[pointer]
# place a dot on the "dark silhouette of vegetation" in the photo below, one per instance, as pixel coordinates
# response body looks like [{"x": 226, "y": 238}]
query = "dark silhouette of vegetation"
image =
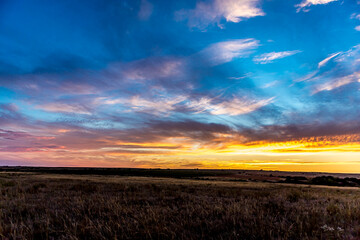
[
  {"x": 333, "y": 181},
  {"x": 295, "y": 179},
  {"x": 173, "y": 173}
]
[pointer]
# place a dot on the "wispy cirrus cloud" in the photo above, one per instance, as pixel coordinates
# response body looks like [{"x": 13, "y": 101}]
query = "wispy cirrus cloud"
[
  {"x": 147, "y": 69},
  {"x": 337, "y": 82},
  {"x": 303, "y": 6},
  {"x": 233, "y": 107},
  {"x": 185, "y": 103},
  {"x": 313, "y": 75},
  {"x": 226, "y": 51},
  {"x": 270, "y": 57},
  {"x": 326, "y": 60},
  {"x": 206, "y": 13},
  {"x": 345, "y": 70},
  {"x": 342, "y": 68},
  {"x": 155, "y": 106},
  {"x": 357, "y": 17},
  {"x": 59, "y": 107}
]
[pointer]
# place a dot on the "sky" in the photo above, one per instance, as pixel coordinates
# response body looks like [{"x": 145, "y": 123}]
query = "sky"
[{"x": 240, "y": 84}]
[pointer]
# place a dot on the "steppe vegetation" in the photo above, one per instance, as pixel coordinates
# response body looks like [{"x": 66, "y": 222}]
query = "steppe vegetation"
[{"x": 63, "y": 206}]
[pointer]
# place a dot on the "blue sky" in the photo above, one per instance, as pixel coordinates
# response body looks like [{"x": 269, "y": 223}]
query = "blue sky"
[{"x": 131, "y": 83}]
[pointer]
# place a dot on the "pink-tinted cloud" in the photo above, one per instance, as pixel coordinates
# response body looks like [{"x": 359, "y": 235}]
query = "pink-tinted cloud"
[
  {"x": 337, "y": 82},
  {"x": 223, "y": 52},
  {"x": 64, "y": 108},
  {"x": 206, "y": 13}
]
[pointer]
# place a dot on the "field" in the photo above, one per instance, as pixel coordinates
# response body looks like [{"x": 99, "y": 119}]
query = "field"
[{"x": 48, "y": 205}]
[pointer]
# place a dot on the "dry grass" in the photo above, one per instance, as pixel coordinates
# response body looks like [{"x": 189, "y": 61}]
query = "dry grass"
[{"x": 44, "y": 206}]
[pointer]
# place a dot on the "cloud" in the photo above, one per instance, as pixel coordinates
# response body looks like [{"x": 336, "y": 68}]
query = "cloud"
[
  {"x": 355, "y": 16},
  {"x": 188, "y": 129},
  {"x": 9, "y": 114},
  {"x": 8, "y": 108},
  {"x": 342, "y": 68},
  {"x": 308, "y": 76},
  {"x": 146, "y": 9},
  {"x": 232, "y": 107},
  {"x": 270, "y": 57},
  {"x": 153, "y": 134},
  {"x": 189, "y": 126},
  {"x": 152, "y": 71},
  {"x": 326, "y": 60},
  {"x": 165, "y": 105},
  {"x": 161, "y": 71},
  {"x": 312, "y": 132},
  {"x": 12, "y": 135},
  {"x": 337, "y": 82},
  {"x": 148, "y": 69},
  {"x": 223, "y": 52},
  {"x": 64, "y": 108},
  {"x": 345, "y": 70},
  {"x": 205, "y": 13},
  {"x": 307, "y": 3},
  {"x": 156, "y": 106},
  {"x": 270, "y": 84},
  {"x": 350, "y": 57}
]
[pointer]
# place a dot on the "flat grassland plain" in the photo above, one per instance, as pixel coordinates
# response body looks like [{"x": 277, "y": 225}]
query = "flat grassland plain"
[{"x": 45, "y": 203}]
